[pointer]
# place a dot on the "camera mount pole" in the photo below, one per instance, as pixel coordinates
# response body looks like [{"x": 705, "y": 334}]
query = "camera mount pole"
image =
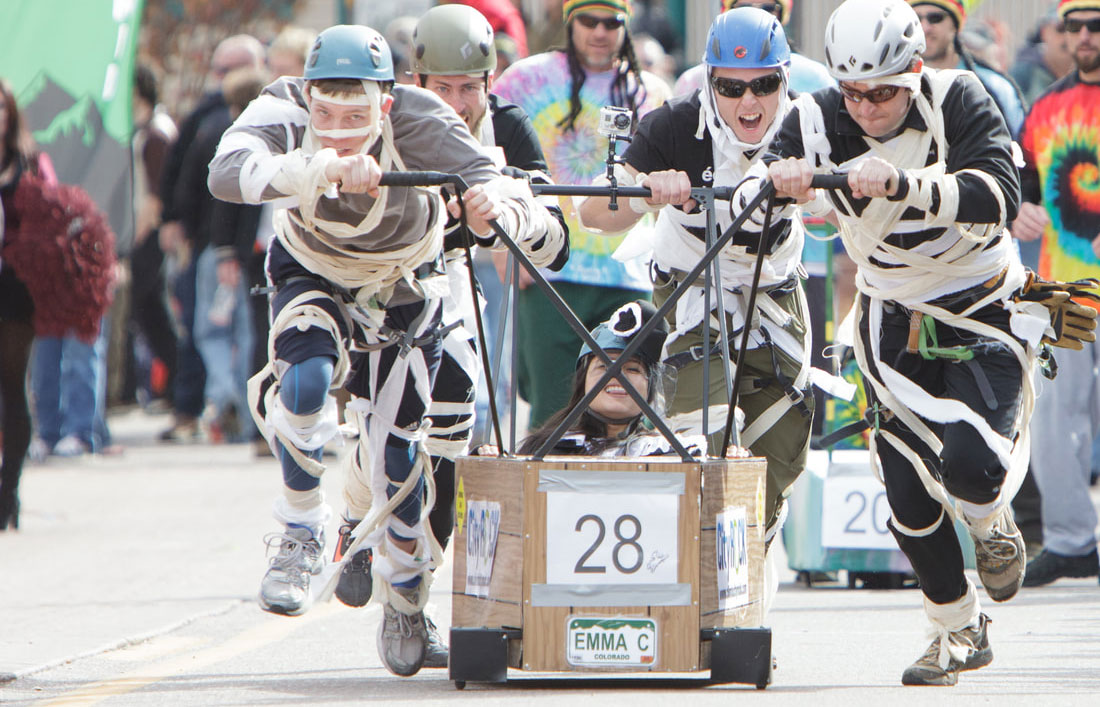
[{"x": 612, "y": 160}]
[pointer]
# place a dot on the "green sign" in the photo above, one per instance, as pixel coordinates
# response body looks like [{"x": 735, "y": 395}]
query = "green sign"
[{"x": 71, "y": 66}]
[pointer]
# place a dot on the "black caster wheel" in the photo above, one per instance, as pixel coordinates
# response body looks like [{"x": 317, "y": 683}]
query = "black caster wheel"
[{"x": 460, "y": 684}]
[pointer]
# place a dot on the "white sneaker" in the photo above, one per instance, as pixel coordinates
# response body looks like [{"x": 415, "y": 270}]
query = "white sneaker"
[
  {"x": 285, "y": 587},
  {"x": 403, "y": 638},
  {"x": 70, "y": 446}
]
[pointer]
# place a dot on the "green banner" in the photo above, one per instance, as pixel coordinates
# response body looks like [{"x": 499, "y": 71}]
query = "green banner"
[{"x": 71, "y": 65}]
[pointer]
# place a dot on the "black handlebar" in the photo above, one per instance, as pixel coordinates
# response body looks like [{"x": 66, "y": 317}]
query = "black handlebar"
[
  {"x": 416, "y": 179},
  {"x": 430, "y": 178},
  {"x": 830, "y": 181}
]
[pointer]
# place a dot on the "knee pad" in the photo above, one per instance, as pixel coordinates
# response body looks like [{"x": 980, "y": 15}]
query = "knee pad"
[{"x": 304, "y": 386}]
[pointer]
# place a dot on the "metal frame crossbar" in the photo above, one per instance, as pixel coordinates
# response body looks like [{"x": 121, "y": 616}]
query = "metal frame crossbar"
[{"x": 705, "y": 196}]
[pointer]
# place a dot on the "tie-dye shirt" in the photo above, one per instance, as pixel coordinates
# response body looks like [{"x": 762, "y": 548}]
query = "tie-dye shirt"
[
  {"x": 1061, "y": 141},
  {"x": 541, "y": 85}
]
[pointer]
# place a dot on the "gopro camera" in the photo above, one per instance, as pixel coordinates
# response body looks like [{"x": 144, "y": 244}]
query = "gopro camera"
[{"x": 615, "y": 121}]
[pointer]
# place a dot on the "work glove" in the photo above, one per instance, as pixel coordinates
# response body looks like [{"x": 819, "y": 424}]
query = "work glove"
[{"x": 1072, "y": 323}]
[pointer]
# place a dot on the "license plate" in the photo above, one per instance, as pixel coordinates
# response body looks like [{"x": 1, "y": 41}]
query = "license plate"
[{"x": 622, "y": 642}]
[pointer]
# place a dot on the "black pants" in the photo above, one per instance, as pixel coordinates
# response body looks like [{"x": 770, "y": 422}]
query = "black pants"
[{"x": 966, "y": 466}]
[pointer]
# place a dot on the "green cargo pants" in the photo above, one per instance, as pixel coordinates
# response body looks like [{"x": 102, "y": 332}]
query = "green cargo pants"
[{"x": 785, "y": 445}]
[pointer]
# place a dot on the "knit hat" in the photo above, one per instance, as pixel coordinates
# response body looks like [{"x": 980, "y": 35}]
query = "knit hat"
[
  {"x": 1067, "y": 6},
  {"x": 784, "y": 5},
  {"x": 572, "y": 7},
  {"x": 955, "y": 8}
]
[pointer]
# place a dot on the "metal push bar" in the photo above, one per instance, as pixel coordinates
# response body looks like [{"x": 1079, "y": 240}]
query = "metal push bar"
[{"x": 704, "y": 196}]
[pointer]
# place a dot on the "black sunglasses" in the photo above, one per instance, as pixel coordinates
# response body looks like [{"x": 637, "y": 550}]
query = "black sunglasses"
[
  {"x": 1074, "y": 26},
  {"x": 609, "y": 23},
  {"x": 933, "y": 18},
  {"x": 875, "y": 95},
  {"x": 735, "y": 88}
]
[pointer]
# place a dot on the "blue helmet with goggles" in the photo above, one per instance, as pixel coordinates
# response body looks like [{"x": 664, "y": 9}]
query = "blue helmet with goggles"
[
  {"x": 747, "y": 38},
  {"x": 618, "y": 332},
  {"x": 349, "y": 52}
]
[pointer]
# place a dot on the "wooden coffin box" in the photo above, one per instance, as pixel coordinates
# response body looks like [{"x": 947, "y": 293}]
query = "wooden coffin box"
[{"x": 580, "y": 564}]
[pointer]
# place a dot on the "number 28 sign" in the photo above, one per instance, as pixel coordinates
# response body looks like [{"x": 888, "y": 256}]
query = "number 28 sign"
[{"x": 598, "y": 538}]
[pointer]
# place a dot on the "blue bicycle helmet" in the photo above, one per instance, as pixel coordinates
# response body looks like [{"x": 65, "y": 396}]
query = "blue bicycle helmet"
[
  {"x": 349, "y": 52},
  {"x": 747, "y": 38}
]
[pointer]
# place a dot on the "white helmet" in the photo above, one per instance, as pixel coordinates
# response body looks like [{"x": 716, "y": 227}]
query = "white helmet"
[{"x": 866, "y": 39}]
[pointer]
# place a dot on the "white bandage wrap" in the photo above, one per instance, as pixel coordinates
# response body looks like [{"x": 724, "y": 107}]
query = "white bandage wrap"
[
  {"x": 526, "y": 220},
  {"x": 302, "y": 508},
  {"x": 950, "y": 618},
  {"x": 297, "y": 432},
  {"x": 368, "y": 483}
]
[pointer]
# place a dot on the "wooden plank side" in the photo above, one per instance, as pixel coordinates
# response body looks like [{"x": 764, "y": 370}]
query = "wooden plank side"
[
  {"x": 680, "y": 624},
  {"x": 731, "y": 483},
  {"x": 678, "y": 627},
  {"x": 499, "y": 480}
]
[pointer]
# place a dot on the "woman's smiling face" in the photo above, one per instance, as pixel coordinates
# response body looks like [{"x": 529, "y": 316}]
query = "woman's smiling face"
[{"x": 613, "y": 402}]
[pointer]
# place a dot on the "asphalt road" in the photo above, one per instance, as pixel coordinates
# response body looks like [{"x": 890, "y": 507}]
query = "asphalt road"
[{"x": 132, "y": 582}]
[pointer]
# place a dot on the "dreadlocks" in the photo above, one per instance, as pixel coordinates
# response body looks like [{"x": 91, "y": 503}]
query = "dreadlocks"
[{"x": 624, "y": 92}]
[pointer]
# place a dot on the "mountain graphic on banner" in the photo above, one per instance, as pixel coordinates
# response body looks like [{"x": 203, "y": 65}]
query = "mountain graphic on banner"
[{"x": 70, "y": 129}]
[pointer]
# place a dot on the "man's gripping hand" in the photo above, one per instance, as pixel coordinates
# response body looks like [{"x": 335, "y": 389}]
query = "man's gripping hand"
[
  {"x": 355, "y": 174},
  {"x": 482, "y": 206},
  {"x": 669, "y": 187},
  {"x": 792, "y": 178},
  {"x": 873, "y": 177}
]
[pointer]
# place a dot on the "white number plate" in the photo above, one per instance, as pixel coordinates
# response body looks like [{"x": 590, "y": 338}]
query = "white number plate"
[
  {"x": 602, "y": 642},
  {"x": 598, "y": 538},
  {"x": 854, "y": 514}
]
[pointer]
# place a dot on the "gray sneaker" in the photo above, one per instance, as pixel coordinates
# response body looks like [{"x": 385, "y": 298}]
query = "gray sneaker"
[
  {"x": 1001, "y": 558},
  {"x": 285, "y": 587},
  {"x": 436, "y": 654},
  {"x": 402, "y": 639},
  {"x": 927, "y": 670}
]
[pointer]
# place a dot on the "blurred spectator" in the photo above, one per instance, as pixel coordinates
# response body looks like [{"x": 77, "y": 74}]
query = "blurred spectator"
[
  {"x": 287, "y": 54},
  {"x": 19, "y": 155},
  {"x": 222, "y": 328},
  {"x": 654, "y": 59},
  {"x": 982, "y": 40},
  {"x": 807, "y": 75},
  {"x": 505, "y": 18},
  {"x": 942, "y": 21},
  {"x": 598, "y": 67},
  {"x": 150, "y": 320},
  {"x": 507, "y": 53},
  {"x": 399, "y": 34},
  {"x": 1043, "y": 59},
  {"x": 225, "y": 331},
  {"x": 651, "y": 19},
  {"x": 185, "y": 242},
  {"x": 1061, "y": 141}
]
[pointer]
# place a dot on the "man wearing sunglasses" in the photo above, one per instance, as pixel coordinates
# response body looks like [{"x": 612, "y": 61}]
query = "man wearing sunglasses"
[
  {"x": 713, "y": 137},
  {"x": 1061, "y": 148},
  {"x": 946, "y": 351},
  {"x": 942, "y": 20},
  {"x": 562, "y": 91}
]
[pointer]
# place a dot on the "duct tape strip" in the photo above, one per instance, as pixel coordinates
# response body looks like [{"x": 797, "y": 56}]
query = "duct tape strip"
[{"x": 617, "y": 481}]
